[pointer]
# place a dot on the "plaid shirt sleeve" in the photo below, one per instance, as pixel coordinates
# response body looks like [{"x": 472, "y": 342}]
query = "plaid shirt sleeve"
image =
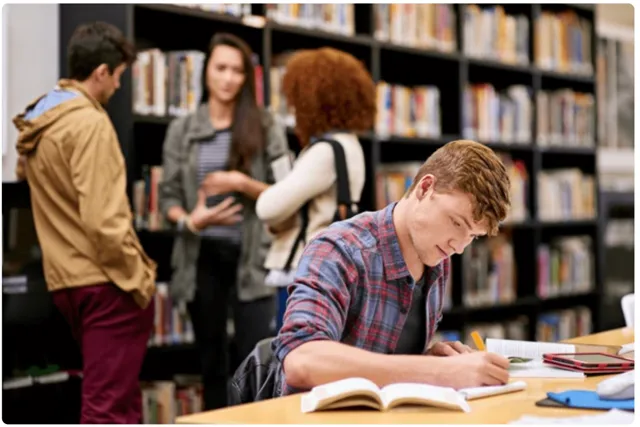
[{"x": 319, "y": 297}]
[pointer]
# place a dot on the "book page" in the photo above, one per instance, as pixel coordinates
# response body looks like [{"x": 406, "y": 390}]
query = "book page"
[
  {"x": 528, "y": 349},
  {"x": 326, "y": 395},
  {"x": 422, "y": 394}
]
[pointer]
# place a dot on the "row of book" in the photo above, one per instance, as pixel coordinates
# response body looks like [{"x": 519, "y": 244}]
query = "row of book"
[
  {"x": 233, "y": 9},
  {"x": 563, "y": 42},
  {"x": 332, "y": 17},
  {"x": 615, "y": 92},
  {"x": 489, "y": 274},
  {"x": 427, "y": 26},
  {"x": 566, "y": 194},
  {"x": 170, "y": 83},
  {"x": 552, "y": 326},
  {"x": 497, "y": 116},
  {"x": 565, "y": 117},
  {"x": 172, "y": 324},
  {"x": 490, "y": 33},
  {"x": 408, "y": 111},
  {"x": 164, "y": 401},
  {"x": 565, "y": 267},
  {"x": 146, "y": 206},
  {"x": 564, "y": 324},
  {"x": 394, "y": 179}
]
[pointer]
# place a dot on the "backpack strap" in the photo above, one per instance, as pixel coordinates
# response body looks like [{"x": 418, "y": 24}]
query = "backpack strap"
[
  {"x": 301, "y": 237},
  {"x": 345, "y": 205}
]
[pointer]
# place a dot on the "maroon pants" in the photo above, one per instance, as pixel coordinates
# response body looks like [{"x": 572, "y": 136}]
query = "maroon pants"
[{"x": 113, "y": 332}]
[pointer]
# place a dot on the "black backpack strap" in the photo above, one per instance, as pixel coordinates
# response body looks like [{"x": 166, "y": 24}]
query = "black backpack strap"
[
  {"x": 301, "y": 237},
  {"x": 345, "y": 204}
]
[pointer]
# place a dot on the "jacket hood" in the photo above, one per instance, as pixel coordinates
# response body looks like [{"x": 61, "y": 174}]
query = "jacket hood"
[{"x": 44, "y": 111}]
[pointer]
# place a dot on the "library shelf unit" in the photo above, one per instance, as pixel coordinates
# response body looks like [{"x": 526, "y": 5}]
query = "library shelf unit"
[{"x": 174, "y": 27}]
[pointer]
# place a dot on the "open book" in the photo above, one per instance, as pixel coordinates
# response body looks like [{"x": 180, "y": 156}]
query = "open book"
[
  {"x": 531, "y": 352},
  {"x": 358, "y": 392}
]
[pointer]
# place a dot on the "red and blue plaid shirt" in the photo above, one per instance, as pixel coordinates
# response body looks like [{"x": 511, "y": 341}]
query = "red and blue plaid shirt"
[{"x": 352, "y": 285}]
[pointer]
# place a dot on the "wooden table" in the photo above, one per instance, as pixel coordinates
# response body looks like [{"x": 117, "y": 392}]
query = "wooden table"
[{"x": 494, "y": 410}]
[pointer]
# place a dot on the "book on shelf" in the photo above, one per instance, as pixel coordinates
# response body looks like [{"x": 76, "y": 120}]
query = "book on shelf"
[
  {"x": 565, "y": 266},
  {"x": 565, "y": 118},
  {"x": 489, "y": 272},
  {"x": 560, "y": 325},
  {"x": 170, "y": 83},
  {"x": 233, "y": 9},
  {"x": 163, "y": 401},
  {"x": 562, "y": 42},
  {"x": 408, "y": 111},
  {"x": 566, "y": 194},
  {"x": 146, "y": 210},
  {"x": 360, "y": 392},
  {"x": 494, "y": 115},
  {"x": 171, "y": 324},
  {"x": 332, "y": 17},
  {"x": 490, "y": 32},
  {"x": 427, "y": 26},
  {"x": 615, "y": 89}
]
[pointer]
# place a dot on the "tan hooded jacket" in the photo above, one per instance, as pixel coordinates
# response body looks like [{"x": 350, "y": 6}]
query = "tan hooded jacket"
[{"x": 77, "y": 179}]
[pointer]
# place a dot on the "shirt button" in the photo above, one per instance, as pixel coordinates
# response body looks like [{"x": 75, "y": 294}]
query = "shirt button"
[{"x": 403, "y": 310}]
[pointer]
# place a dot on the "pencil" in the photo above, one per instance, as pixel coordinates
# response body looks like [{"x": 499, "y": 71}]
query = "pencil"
[{"x": 477, "y": 340}]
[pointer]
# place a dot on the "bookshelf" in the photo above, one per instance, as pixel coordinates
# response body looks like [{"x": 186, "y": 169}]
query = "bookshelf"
[
  {"x": 459, "y": 91},
  {"x": 511, "y": 78}
]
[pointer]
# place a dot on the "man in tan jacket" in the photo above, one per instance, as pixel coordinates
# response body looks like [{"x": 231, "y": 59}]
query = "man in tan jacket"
[{"x": 100, "y": 278}]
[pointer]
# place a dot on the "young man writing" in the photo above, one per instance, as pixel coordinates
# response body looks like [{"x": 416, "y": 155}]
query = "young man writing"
[
  {"x": 99, "y": 276},
  {"x": 369, "y": 291}
]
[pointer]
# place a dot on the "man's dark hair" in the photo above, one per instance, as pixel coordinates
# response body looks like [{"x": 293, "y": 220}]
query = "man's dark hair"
[{"x": 94, "y": 44}]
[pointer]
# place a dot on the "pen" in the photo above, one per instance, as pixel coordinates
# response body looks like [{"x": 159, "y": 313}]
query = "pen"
[{"x": 477, "y": 340}]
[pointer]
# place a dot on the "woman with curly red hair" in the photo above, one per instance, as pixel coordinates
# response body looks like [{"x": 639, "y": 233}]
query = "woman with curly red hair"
[{"x": 333, "y": 97}]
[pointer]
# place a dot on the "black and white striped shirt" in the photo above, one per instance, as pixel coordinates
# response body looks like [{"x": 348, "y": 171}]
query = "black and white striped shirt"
[{"x": 213, "y": 156}]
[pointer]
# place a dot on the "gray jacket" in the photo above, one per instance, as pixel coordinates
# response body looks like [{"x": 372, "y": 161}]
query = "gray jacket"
[{"x": 179, "y": 187}]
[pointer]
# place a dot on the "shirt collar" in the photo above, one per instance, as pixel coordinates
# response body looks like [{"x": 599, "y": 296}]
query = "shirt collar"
[{"x": 394, "y": 265}]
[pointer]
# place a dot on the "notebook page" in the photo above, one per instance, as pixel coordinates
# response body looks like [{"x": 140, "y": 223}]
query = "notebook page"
[
  {"x": 537, "y": 369},
  {"x": 529, "y": 349}
]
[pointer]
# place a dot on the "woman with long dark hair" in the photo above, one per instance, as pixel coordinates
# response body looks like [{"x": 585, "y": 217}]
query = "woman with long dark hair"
[{"x": 226, "y": 146}]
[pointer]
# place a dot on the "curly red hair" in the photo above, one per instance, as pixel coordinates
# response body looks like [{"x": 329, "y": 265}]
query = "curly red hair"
[{"x": 329, "y": 90}]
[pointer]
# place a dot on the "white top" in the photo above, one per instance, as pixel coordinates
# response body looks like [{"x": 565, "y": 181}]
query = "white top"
[{"x": 313, "y": 177}]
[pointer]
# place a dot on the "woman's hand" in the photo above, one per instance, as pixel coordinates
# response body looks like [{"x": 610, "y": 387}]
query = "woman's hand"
[
  {"x": 224, "y": 213},
  {"x": 222, "y": 182}
]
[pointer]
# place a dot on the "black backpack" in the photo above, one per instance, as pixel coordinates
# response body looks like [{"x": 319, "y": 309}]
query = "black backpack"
[{"x": 344, "y": 208}]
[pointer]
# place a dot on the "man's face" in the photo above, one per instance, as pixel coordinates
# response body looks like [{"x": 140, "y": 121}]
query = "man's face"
[
  {"x": 108, "y": 82},
  {"x": 440, "y": 224}
]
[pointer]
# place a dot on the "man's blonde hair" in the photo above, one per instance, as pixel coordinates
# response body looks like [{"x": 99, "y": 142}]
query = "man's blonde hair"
[{"x": 474, "y": 169}]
